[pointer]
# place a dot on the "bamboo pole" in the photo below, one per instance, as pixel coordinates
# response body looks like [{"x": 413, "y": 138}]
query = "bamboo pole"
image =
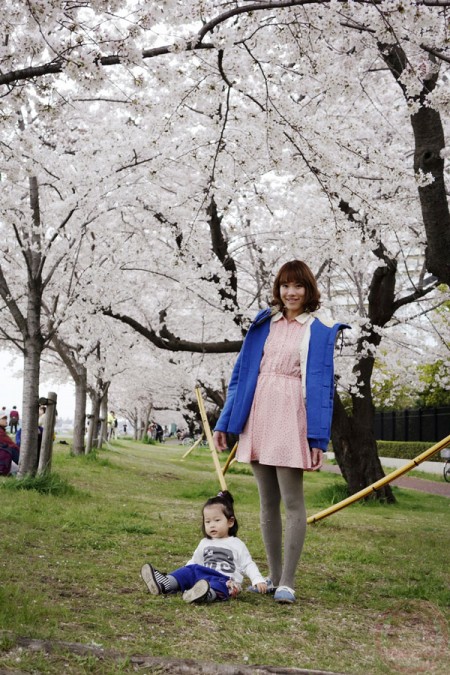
[
  {"x": 209, "y": 438},
  {"x": 197, "y": 442},
  {"x": 379, "y": 483},
  {"x": 230, "y": 459}
]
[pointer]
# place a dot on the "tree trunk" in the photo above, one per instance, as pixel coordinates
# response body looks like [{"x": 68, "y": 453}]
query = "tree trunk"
[
  {"x": 429, "y": 142},
  {"x": 355, "y": 447},
  {"x": 93, "y": 423},
  {"x": 103, "y": 431},
  {"x": 79, "y": 426},
  {"x": 146, "y": 423},
  {"x": 30, "y": 408},
  {"x": 78, "y": 372}
]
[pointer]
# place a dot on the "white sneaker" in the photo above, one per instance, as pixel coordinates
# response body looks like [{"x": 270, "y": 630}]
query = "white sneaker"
[
  {"x": 198, "y": 593},
  {"x": 284, "y": 595}
]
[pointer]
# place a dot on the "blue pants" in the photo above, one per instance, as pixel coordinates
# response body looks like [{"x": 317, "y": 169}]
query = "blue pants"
[{"x": 189, "y": 575}]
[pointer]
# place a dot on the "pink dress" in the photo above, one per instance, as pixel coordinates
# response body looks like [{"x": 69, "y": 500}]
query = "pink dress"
[{"x": 275, "y": 432}]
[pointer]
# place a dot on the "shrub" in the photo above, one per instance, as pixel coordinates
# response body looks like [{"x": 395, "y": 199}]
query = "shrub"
[
  {"x": 405, "y": 449},
  {"x": 149, "y": 441}
]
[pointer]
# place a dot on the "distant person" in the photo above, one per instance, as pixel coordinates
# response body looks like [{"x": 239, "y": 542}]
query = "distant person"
[
  {"x": 220, "y": 561},
  {"x": 9, "y": 451},
  {"x": 124, "y": 428},
  {"x": 159, "y": 432},
  {"x": 112, "y": 424},
  {"x": 13, "y": 419},
  {"x": 42, "y": 411},
  {"x": 41, "y": 420}
]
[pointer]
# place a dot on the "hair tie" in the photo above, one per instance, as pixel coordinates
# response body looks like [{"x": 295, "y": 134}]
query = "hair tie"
[{"x": 220, "y": 494}]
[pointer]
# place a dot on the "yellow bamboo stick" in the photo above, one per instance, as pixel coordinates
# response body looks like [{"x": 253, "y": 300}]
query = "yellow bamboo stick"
[
  {"x": 230, "y": 459},
  {"x": 209, "y": 438},
  {"x": 197, "y": 442},
  {"x": 380, "y": 483}
]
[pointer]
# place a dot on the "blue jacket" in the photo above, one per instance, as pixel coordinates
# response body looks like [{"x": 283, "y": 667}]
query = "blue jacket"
[{"x": 319, "y": 380}]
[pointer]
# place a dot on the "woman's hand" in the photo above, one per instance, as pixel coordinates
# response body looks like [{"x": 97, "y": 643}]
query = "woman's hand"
[
  {"x": 316, "y": 458},
  {"x": 261, "y": 586},
  {"x": 220, "y": 440}
]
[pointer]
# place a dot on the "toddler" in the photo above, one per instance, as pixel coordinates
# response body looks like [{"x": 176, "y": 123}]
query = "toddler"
[{"x": 218, "y": 565}]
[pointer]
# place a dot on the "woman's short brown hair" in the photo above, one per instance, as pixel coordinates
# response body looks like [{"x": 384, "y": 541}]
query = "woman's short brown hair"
[{"x": 298, "y": 272}]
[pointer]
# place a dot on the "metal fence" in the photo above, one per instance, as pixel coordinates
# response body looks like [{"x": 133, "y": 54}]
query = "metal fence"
[{"x": 423, "y": 424}]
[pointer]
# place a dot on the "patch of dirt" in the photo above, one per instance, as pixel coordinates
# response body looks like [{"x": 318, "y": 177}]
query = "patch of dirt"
[{"x": 158, "y": 664}]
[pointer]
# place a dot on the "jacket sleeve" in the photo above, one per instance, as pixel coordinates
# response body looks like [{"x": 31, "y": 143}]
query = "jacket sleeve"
[
  {"x": 320, "y": 383},
  {"x": 222, "y": 422}
]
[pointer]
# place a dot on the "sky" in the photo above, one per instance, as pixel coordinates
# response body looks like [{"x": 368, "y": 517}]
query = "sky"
[{"x": 11, "y": 385}]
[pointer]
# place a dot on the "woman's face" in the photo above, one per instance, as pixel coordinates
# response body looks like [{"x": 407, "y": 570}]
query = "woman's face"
[{"x": 292, "y": 295}]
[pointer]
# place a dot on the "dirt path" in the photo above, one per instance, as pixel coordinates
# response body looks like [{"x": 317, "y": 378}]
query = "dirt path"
[{"x": 409, "y": 482}]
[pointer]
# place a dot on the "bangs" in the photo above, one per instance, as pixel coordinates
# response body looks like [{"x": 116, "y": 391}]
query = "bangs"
[{"x": 291, "y": 274}]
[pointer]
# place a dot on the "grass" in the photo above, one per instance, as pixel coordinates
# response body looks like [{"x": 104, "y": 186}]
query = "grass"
[{"x": 372, "y": 585}]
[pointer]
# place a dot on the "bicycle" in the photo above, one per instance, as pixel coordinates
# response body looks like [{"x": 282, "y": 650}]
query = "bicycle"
[{"x": 445, "y": 454}]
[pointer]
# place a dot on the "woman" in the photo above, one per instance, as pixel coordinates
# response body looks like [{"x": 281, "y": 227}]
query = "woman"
[{"x": 280, "y": 401}]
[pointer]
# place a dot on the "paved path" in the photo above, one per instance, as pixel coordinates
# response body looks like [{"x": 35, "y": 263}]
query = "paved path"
[{"x": 409, "y": 482}]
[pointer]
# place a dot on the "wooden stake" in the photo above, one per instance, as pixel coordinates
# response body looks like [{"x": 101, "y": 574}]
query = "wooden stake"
[
  {"x": 209, "y": 438},
  {"x": 230, "y": 459},
  {"x": 379, "y": 483},
  {"x": 197, "y": 442}
]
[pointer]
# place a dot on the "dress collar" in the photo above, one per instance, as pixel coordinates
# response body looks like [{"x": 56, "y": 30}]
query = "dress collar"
[{"x": 301, "y": 318}]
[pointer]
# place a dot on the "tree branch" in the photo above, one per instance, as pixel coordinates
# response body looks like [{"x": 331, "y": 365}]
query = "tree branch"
[{"x": 168, "y": 341}]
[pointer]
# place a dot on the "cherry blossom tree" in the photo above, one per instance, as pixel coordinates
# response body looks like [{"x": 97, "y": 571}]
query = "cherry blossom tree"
[{"x": 245, "y": 133}]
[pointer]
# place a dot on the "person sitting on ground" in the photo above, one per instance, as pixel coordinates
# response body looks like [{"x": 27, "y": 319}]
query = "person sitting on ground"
[
  {"x": 9, "y": 452},
  {"x": 218, "y": 565}
]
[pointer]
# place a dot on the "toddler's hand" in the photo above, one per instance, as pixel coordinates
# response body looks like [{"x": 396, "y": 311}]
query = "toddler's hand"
[{"x": 233, "y": 588}]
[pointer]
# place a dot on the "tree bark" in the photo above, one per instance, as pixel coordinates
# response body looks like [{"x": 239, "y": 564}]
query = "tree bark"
[
  {"x": 429, "y": 141},
  {"x": 30, "y": 407},
  {"x": 78, "y": 372},
  {"x": 33, "y": 341},
  {"x": 103, "y": 431},
  {"x": 93, "y": 422},
  {"x": 79, "y": 426},
  {"x": 355, "y": 448}
]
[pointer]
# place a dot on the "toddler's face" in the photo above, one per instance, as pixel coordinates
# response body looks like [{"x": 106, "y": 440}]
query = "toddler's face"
[{"x": 217, "y": 524}]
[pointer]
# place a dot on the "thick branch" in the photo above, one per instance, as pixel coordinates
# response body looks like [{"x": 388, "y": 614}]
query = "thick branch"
[
  {"x": 429, "y": 143},
  {"x": 166, "y": 340},
  {"x": 12, "y": 305}
]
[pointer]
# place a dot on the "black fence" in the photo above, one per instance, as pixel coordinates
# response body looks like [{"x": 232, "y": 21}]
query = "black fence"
[{"x": 424, "y": 424}]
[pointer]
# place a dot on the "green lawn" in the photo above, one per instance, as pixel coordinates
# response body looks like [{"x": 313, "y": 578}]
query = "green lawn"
[{"x": 372, "y": 587}]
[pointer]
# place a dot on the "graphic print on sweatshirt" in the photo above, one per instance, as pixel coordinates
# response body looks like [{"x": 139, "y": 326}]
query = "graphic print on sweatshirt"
[{"x": 220, "y": 559}]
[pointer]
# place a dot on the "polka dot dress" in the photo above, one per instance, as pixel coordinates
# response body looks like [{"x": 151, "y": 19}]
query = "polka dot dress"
[{"x": 275, "y": 432}]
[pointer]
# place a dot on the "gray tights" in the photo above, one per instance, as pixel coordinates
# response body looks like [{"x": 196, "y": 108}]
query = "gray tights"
[{"x": 276, "y": 484}]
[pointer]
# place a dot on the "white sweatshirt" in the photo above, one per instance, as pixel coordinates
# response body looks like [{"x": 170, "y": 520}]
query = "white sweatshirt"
[{"x": 230, "y": 556}]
